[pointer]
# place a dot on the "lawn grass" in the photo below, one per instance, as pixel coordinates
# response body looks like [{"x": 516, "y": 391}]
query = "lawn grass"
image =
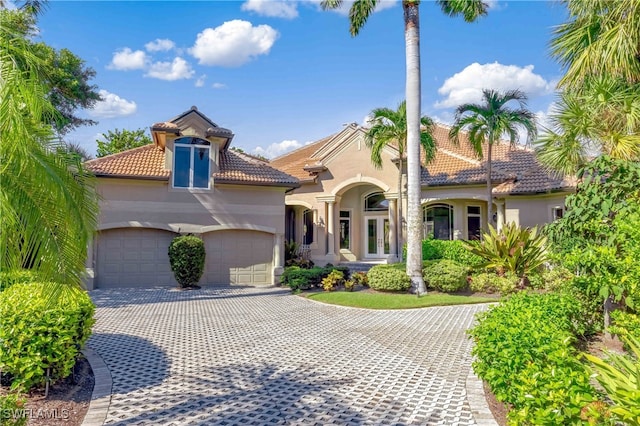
[{"x": 368, "y": 300}]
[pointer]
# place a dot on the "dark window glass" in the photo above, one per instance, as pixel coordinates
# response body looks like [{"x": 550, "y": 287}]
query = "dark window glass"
[
  {"x": 182, "y": 163},
  {"x": 474, "y": 227},
  {"x": 307, "y": 227},
  {"x": 192, "y": 141},
  {"x": 473, "y": 209},
  {"x": 200, "y": 167},
  {"x": 345, "y": 229},
  {"x": 376, "y": 203},
  {"x": 438, "y": 222}
]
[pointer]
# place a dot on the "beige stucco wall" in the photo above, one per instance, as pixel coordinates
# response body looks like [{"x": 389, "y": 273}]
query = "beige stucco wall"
[
  {"x": 129, "y": 202},
  {"x": 532, "y": 210}
]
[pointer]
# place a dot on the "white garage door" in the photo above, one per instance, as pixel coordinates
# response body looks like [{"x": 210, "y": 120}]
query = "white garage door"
[
  {"x": 238, "y": 257},
  {"x": 133, "y": 258}
]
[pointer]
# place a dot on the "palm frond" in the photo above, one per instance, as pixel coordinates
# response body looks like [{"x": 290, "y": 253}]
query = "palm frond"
[{"x": 469, "y": 9}]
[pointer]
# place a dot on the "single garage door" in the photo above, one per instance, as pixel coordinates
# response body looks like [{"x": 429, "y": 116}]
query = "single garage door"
[
  {"x": 238, "y": 257},
  {"x": 136, "y": 257}
]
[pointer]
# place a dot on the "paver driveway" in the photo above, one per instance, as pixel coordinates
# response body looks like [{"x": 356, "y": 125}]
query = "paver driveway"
[{"x": 263, "y": 356}]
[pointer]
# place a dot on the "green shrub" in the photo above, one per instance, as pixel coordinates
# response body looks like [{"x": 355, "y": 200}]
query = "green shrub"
[
  {"x": 297, "y": 278},
  {"x": 446, "y": 275},
  {"x": 9, "y": 278},
  {"x": 186, "y": 255},
  {"x": 625, "y": 324},
  {"x": 388, "y": 278},
  {"x": 448, "y": 249},
  {"x": 556, "y": 277},
  {"x": 490, "y": 282},
  {"x": 12, "y": 410},
  {"x": 39, "y": 333},
  {"x": 523, "y": 349},
  {"x": 349, "y": 285},
  {"x": 333, "y": 280},
  {"x": 360, "y": 278}
]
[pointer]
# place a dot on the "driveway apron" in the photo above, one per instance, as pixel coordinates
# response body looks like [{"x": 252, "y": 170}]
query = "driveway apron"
[{"x": 247, "y": 356}]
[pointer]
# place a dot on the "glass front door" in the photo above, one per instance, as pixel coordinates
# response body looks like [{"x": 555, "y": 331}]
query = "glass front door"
[{"x": 377, "y": 237}]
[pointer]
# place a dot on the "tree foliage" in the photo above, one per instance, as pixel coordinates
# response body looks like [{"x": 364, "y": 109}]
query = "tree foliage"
[
  {"x": 121, "y": 140},
  {"x": 47, "y": 202},
  {"x": 487, "y": 122},
  {"x": 66, "y": 79}
]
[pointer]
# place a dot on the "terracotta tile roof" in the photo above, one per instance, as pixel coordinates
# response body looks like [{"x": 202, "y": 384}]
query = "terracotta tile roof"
[
  {"x": 145, "y": 162},
  {"x": 294, "y": 162},
  {"x": 236, "y": 167},
  {"x": 514, "y": 169}
]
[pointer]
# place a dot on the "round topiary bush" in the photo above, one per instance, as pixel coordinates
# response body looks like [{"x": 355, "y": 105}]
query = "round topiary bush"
[
  {"x": 186, "y": 255},
  {"x": 388, "y": 278},
  {"x": 490, "y": 282},
  {"x": 446, "y": 275}
]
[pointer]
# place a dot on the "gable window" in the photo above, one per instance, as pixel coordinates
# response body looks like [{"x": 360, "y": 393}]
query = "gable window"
[
  {"x": 191, "y": 165},
  {"x": 438, "y": 222}
]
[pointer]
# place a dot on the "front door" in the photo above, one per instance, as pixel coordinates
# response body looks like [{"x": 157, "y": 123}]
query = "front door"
[{"x": 377, "y": 237}]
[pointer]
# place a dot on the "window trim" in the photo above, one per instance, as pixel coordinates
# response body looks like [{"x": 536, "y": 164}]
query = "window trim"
[
  {"x": 425, "y": 223},
  {"x": 192, "y": 146},
  {"x": 340, "y": 219},
  {"x": 478, "y": 215},
  {"x": 554, "y": 209}
]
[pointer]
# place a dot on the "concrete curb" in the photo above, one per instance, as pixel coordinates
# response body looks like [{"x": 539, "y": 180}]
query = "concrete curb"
[
  {"x": 101, "y": 396},
  {"x": 477, "y": 401}
]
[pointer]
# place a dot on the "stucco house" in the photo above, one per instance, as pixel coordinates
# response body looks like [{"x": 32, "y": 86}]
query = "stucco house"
[
  {"x": 187, "y": 181},
  {"x": 347, "y": 210},
  {"x": 327, "y": 196}
]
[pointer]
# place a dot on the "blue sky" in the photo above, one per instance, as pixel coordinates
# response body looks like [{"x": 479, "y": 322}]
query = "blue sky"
[{"x": 282, "y": 74}]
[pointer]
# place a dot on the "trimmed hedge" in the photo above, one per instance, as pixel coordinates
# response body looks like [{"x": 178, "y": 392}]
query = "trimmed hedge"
[
  {"x": 446, "y": 276},
  {"x": 524, "y": 350},
  {"x": 9, "y": 278},
  {"x": 490, "y": 282},
  {"x": 42, "y": 326},
  {"x": 298, "y": 278},
  {"x": 388, "y": 278},
  {"x": 447, "y": 249},
  {"x": 187, "y": 255}
]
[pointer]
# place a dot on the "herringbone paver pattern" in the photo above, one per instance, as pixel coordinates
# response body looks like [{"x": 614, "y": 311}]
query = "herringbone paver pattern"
[{"x": 263, "y": 356}]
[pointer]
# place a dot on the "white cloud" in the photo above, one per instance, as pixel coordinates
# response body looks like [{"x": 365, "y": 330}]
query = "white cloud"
[
  {"x": 346, "y": 5},
  {"x": 160, "y": 45},
  {"x": 112, "y": 106},
  {"x": 126, "y": 60},
  {"x": 219, "y": 86},
  {"x": 466, "y": 86},
  {"x": 272, "y": 8},
  {"x": 177, "y": 70},
  {"x": 200, "y": 81},
  {"x": 277, "y": 149},
  {"x": 233, "y": 43}
]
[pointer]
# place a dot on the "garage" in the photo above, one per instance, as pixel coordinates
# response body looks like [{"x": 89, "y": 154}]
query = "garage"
[
  {"x": 137, "y": 257},
  {"x": 238, "y": 257}
]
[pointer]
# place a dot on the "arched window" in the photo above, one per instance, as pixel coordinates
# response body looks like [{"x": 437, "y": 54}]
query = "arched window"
[
  {"x": 191, "y": 163},
  {"x": 438, "y": 221},
  {"x": 376, "y": 203}
]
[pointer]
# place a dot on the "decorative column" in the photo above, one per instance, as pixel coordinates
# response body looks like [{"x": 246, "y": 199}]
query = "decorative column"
[
  {"x": 500, "y": 214},
  {"x": 331, "y": 243},
  {"x": 278, "y": 249},
  {"x": 393, "y": 229}
]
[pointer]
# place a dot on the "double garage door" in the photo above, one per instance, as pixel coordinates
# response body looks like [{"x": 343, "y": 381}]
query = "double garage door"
[{"x": 138, "y": 258}]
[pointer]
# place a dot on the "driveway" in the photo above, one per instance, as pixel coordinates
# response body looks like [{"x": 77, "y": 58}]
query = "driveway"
[{"x": 251, "y": 356}]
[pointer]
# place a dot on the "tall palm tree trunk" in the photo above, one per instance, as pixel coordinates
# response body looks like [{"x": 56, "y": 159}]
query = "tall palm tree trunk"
[
  {"x": 399, "y": 211},
  {"x": 489, "y": 192},
  {"x": 414, "y": 222}
]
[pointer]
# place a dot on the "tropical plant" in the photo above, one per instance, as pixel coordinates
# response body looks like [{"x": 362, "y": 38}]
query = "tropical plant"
[
  {"x": 47, "y": 201},
  {"x": 601, "y": 38},
  {"x": 602, "y": 118},
  {"x": 487, "y": 122},
  {"x": 619, "y": 375},
  {"x": 513, "y": 249},
  {"x": 187, "y": 256},
  {"x": 359, "y": 13},
  {"x": 121, "y": 140},
  {"x": 333, "y": 280},
  {"x": 389, "y": 128}
]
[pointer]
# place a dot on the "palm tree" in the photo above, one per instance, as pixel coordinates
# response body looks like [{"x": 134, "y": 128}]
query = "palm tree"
[
  {"x": 48, "y": 207},
  {"x": 389, "y": 127},
  {"x": 601, "y": 38},
  {"x": 603, "y": 117},
  {"x": 359, "y": 13},
  {"x": 487, "y": 122}
]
